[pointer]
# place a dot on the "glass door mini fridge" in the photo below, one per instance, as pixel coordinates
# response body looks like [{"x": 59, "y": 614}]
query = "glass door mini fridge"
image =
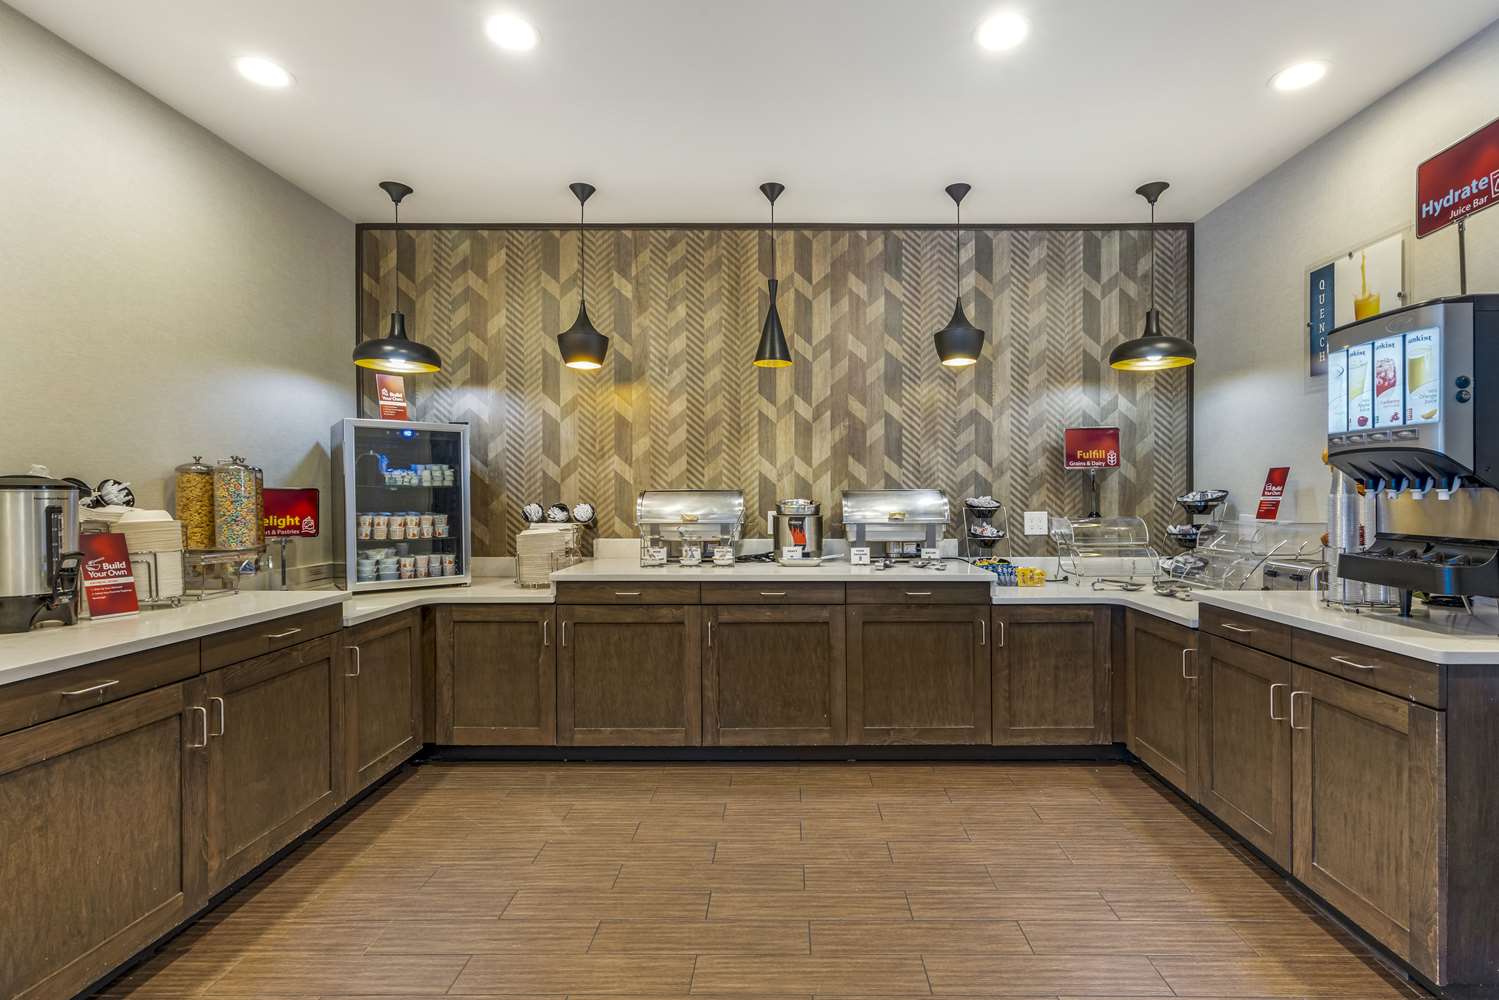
[{"x": 401, "y": 515}]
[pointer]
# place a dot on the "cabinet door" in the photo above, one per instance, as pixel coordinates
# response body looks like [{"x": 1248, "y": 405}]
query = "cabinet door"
[
  {"x": 773, "y": 675},
  {"x": 1244, "y": 743},
  {"x": 1162, "y": 668},
  {"x": 629, "y": 675},
  {"x": 496, "y": 675},
  {"x": 100, "y": 827},
  {"x": 1051, "y": 675},
  {"x": 276, "y": 753},
  {"x": 382, "y": 696},
  {"x": 1368, "y": 792},
  {"x": 918, "y": 674}
]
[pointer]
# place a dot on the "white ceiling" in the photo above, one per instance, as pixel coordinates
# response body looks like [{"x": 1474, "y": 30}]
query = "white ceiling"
[{"x": 678, "y": 109}]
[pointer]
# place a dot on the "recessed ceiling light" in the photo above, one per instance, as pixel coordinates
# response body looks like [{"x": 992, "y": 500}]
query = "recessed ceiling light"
[
  {"x": 260, "y": 70},
  {"x": 1299, "y": 76},
  {"x": 1002, "y": 31},
  {"x": 511, "y": 33}
]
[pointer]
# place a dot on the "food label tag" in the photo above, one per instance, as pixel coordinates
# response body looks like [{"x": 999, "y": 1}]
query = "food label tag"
[
  {"x": 790, "y": 553},
  {"x": 858, "y": 556},
  {"x": 929, "y": 554}
]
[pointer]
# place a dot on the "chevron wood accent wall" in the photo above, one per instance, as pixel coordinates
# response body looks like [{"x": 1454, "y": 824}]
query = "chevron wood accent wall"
[{"x": 866, "y": 404}]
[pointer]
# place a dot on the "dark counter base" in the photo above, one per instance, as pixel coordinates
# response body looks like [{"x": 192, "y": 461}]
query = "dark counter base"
[{"x": 1114, "y": 753}]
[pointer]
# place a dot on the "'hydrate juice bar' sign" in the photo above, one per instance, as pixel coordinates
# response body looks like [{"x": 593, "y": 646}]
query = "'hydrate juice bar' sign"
[{"x": 1458, "y": 181}]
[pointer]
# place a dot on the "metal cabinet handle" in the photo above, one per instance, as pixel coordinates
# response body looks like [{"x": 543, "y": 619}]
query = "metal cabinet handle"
[
  {"x": 564, "y": 632},
  {"x": 710, "y": 632},
  {"x": 1277, "y": 718},
  {"x": 1293, "y": 709},
  {"x": 1185, "y": 675},
  {"x": 772, "y": 593},
  {"x": 1357, "y": 666},
  {"x": 204, "y": 743},
  {"x": 918, "y": 593},
  {"x": 546, "y": 638},
  {"x": 983, "y": 632},
  {"x": 1001, "y": 623},
  {"x": 358, "y": 662},
  {"x": 1236, "y": 628},
  {"x": 283, "y": 635},
  {"x": 627, "y": 593},
  {"x": 223, "y": 716},
  {"x": 88, "y": 690}
]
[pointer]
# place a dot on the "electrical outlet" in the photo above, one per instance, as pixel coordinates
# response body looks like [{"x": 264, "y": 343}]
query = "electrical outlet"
[{"x": 1036, "y": 522}]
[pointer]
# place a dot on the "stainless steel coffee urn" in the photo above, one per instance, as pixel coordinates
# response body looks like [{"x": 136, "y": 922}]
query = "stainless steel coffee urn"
[
  {"x": 38, "y": 552},
  {"x": 796, "y": 527}
]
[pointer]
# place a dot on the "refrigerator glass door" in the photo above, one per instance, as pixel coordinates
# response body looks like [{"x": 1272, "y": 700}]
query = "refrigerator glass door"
[{"x": 406, "y": 492}]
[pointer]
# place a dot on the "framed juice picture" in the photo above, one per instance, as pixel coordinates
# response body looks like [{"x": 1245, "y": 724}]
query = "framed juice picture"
[{"x": 1357, "y": 284}]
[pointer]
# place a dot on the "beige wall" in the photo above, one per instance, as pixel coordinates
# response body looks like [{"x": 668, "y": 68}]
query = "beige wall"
[
  {"x": 163, "y": 294},
  {"x": 1254, "y": 405}
]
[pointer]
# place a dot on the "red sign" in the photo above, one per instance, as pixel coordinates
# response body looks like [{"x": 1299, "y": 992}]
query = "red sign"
[
  {"x": 1090, "y": 448},
  {"x": 1275, "y": 488},
  {"x": 291, "y": 513},
  {"x": 1458, "y": 181},
  {"x": 390, "y": 392},
  {"x": 108, "y": 580}
]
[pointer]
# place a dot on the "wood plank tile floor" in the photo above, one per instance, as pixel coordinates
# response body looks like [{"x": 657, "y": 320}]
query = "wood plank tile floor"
[{"x": 779, "y": 881}]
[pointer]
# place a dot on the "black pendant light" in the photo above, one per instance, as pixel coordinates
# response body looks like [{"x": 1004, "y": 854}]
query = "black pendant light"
[
  {"x": 583, "y": 348},
  {"x": 1152, "y": 351},
  {"x": 773, "y": 352},
  {"x": 393, "y": 353},
  {"x": 959, "y": 342}
]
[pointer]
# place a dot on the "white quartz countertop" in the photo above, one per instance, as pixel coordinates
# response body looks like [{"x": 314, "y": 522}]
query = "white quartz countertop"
[
  {"x": 367, "y": 607},
  {"x": 1439, "y": 636},
  {"x": 830, "y": 571},
  {"x": 1148, "y": 601},
  {"x": 45, "y": 651}
]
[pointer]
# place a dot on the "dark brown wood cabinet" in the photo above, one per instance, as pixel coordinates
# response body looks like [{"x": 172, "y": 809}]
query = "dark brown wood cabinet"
[
  {"x": 101, "y": 818},
  {"x": 773, "y": 675},
  {"x": 1368, "y": 797},
  {"x": 629, "y": 675},
  {"x": 51, "y": 696},
  {"x": 1244, "y": 743},
  {"x": 918, "y": 674},
  {"x": 382, "y": 697},
  {"x": 1051, "y": 675},
  {"x": 1161, "y": 664},
  {"x": 496, "y": 675},
  {"x": 276, "y": 753}
]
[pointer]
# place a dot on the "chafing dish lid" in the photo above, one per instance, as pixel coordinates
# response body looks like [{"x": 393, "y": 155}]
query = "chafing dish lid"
[
  {"x": 895, "y": 507},
  {"x": 689, "y": 507}
]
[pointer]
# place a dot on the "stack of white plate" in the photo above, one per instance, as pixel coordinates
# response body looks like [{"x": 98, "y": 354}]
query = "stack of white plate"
[
  {"x": 155, "y": 538},
  {"x": 539, "y": 550}
]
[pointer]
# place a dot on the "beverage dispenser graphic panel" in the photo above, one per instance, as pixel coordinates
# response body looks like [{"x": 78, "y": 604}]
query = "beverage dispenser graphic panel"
[{"x": 1405, "y": 406}]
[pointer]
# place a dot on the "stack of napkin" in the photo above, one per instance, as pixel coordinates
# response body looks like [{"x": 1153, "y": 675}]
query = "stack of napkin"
[
  {"x": 539, "y": 550},
  {"x": 155, "y": 541}
]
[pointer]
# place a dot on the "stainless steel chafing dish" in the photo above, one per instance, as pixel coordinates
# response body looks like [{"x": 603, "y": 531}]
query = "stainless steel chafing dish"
[
  {"x": 688, "y": 525},
  {"x": 896, "y": 519}
]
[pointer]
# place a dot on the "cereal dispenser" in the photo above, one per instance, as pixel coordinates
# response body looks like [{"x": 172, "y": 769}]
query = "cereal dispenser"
[
  {"x": 194, "y": 504},
  {"x": 236, "y": 505}
]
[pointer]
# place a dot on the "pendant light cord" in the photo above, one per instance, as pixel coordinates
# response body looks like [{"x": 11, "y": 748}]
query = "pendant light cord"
[
  {"x": 957, "y": 251},
  {"x": 582, "y": 259},
  {"x": 773, "y": 269},
  {"x": 1152, "y": 256}
]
